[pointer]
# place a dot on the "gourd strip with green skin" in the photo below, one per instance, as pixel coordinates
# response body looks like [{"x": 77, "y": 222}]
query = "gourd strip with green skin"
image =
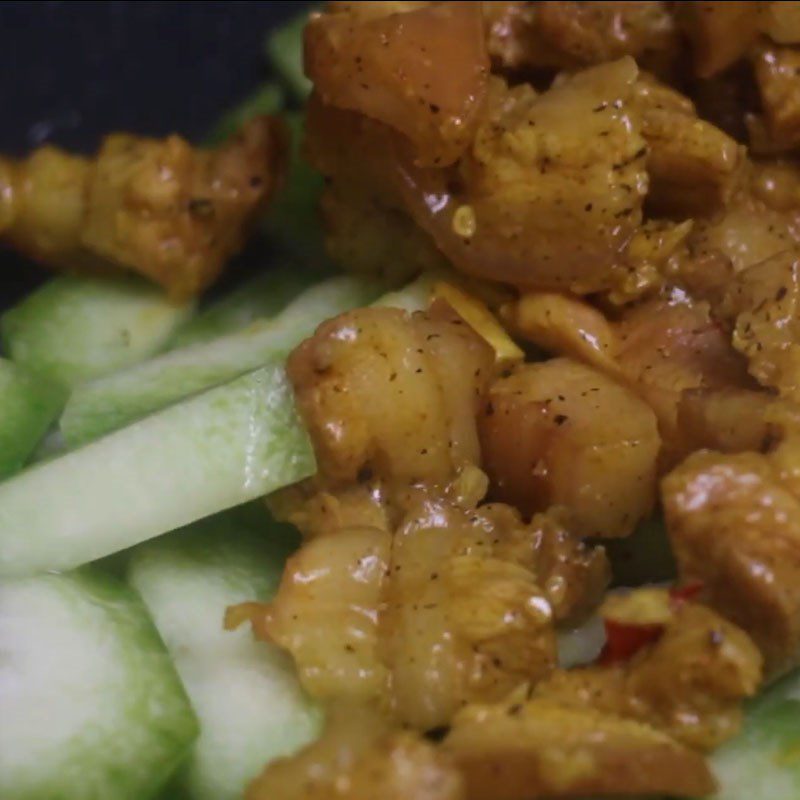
[
  {"x": 246, "y": 694},
  {"x": 90, "y": 703},
  {"x": 260, "y": 297},
  {"x": 213, "y": 451},
  {"x": 109, "y": 403},
  {"x": 764, "y": 760},
  {"x": 74, "y": 329},
  {"x": 284, "y": 49},
  {"x": 28, "y": 404}
]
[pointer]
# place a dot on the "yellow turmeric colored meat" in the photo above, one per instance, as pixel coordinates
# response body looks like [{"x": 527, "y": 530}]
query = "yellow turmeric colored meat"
[
  {"x": 163, "y": 209},
  {"x": 606, "y": 198}
]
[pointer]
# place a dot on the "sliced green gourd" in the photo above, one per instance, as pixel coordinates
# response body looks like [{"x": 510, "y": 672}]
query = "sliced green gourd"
[
  {"x": 284, "y": 47},
  {"x": 259, "y": 297},
  {"x": 763, "y": 762},
  {"x": 91, "y": 707},
  {"x": 246, "y": 695},
  {"x": 74, "y": 329},
  {"x": 28, "y": 404},
  {"x": 293, "y": 218},
  {"x": 214, "y": 451},
  {"x": 108, "y": 403}
]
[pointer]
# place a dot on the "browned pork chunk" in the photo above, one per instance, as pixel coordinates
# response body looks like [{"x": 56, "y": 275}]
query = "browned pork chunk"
[
  {"x": 749, "y": 229},
  {"x": 763, "y": 305},
  {"x": 734, "y": 525},
  {"x": 693, "y": 166},
  {"x": 161, "y": 208},
  {"x": 541, "y": 749},
  {"x": 357, "y": 757},
  {"x": 551, "y": 188},
  {"x": 776, "y": 70},
  {"x": 568, "y": 34},
  {"x": 666, "y": 348},
  {"x": 458, "y": 604},
  {"x": 385, "y": 393},
  {"x": 721, "y": 31},
  {"x": 686, "y": 673},
  {"x": 561, "y": 433},
  {"x": 385, "y": 61}
]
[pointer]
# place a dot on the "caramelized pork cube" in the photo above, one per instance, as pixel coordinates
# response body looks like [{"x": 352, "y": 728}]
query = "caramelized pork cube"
[
  {"x": 359, "y": 756},
  {"x": 672, "y": 664},
  {"x": 161, "y": 208},
  {"x": 721, "y": 31},
  {"x": 541, "y": 749},
  {"x": 573, "y": 34},
  {"x": 763, "y": 303},
  {"x": 551, "y": 188},
  {"x": 727, "y": 420},
  {"x": 778, "y": 80},
  {"x": 734, "y": 526},
  {"x": 666, "y": 348},
  {"x": 748, "y": 230},
  {"x": 561, "y": 433},
  {"x": 385, "y": 62},
  {"x": 693, "y": 166},
  {"x": 387, "y": 394},
  {"x": 464, "y": 621}
]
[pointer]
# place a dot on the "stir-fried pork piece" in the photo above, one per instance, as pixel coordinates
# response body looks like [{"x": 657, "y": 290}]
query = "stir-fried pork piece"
[
  {"x": 692, "y": 165},
  {"x": 777, "y": 184},
  {"x": 326, "y": 613},
  {"x": 170, "y": 212},
  {"x": 734, "y": 524},
  {"x": 366, "y": 227},
  {"x": 514, "y": 40},
  {"x": 561, "y": 433},
  {"x": 372, "y": 238},
  {"x": 458, "y": 605},
  {"x": 776, "y": 70},
  {"x": 551, "y": 188},
  {"x": 721, "y": 31},
  {"x": 541, "y": 749},
  {"x": 525, "y": 35},
  {"x": 391, "y": 394},
  {"x": 389, "y": 67},
  {"x": 359, "y": 756},
  {"x": 748, "y": 230},
  {"x": 462, "y": 623},
  {"x": 649, "y": 257},
  {"x": 763, "y": 304},
  {"x": 538, "y": 199},
  {"x": 781, "y": 21},
  {"x": 457, "y": 608},
  {"x": 672, "y": 355},
  {"x": 594, "y": 32},
  {"x": 728, "y": 420},
  {"x": 666, "y": 348},
  {"x": 687, "y": 674},
  {"x": 573, "y": 575}
]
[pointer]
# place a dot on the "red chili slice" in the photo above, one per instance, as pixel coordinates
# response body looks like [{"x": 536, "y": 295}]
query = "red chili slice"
[
  {"x": 624, "y": 640},
  {"x": 683, "y": 594}
]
